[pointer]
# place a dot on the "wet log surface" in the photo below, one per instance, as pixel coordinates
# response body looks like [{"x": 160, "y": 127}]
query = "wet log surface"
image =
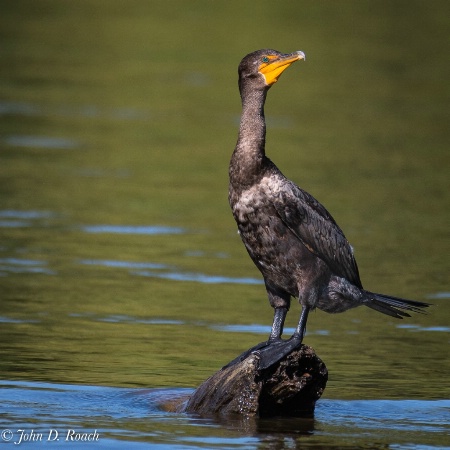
[{"x": 291, "y": 387}]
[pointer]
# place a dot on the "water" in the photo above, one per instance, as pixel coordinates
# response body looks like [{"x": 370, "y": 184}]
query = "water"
[
  {"x": 123, "y": 284},
  {"x": 114, "y": 417}
]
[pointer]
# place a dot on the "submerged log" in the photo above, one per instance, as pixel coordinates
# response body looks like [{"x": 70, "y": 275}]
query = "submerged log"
[{"x": 290, "y": 387}]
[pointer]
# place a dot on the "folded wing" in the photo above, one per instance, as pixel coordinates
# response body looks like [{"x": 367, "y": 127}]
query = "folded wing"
[{"x": 314, "y": 226}]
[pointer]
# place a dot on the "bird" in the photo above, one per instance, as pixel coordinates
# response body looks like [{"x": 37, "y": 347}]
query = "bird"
[{"x": 292, "y": 239}]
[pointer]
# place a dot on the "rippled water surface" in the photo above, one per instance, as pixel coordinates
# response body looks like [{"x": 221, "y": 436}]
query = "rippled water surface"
[
  {"x": 117, "y": 417},
  {"x": 123, "y": 283}
]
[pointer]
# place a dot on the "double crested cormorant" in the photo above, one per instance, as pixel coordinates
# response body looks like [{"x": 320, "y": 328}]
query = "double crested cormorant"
[{"x": 293, "y": 240}]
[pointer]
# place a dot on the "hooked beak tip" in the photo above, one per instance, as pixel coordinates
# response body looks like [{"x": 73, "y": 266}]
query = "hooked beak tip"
[{"x": 301, "y": 55}]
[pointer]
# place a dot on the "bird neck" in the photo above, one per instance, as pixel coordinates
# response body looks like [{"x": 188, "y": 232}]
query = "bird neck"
[{"x": 249, "y": 155}]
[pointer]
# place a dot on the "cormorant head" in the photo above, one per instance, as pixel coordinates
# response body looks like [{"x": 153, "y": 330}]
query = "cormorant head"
[{"x": 263, "y": 67}]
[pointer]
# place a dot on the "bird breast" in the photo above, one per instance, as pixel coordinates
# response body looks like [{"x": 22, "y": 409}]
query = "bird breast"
[
  {"x": 253, "y": 203},
  {"x": 264, "y": 234}
]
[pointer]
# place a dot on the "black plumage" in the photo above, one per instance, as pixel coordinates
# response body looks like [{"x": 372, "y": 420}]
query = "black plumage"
[{"x": 293, "y": 240}]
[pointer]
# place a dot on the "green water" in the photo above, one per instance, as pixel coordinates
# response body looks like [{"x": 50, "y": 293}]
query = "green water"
[{"x": 124, "y": 114}]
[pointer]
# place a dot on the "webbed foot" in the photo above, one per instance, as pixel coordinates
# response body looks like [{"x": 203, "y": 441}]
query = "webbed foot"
[
  {"x": 276, "y": 351},
  {"x": 269, "y": 352},
  {"x": 247, "y": 353}
]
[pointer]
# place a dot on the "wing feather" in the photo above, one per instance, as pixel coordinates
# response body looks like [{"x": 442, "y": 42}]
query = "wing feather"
[{"x": 314, "y": 226}]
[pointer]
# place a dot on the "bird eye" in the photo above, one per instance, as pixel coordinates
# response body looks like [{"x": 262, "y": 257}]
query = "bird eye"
[{"x": 265, "y": 59}]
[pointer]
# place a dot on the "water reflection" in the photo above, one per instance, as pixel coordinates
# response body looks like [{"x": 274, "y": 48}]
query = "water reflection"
[
  {"x": 439, "y": 295},
  {"x": 16, "y": 214},
  {"x": 129, "y": 229},
  {"x": 129, "y": 319},
  {"x": 20, "y": 219},
  {"x": 41, "y": 142},
  {"x": 15, "y": 265},
  {"x": 13, "y": 224},
  {"x": 197, "y": 277},
  {"x": 170, "y": 273},
  {"x": 19, "y": 108},
  {"x": 4, "y": 319},
  {"x": 130, "y": 417},
  {"x": 122, "y": 264},
  {"x": 413, "y": 327}
]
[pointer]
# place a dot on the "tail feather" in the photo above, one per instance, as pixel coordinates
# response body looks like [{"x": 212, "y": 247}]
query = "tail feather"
[{"x": 393, "y": 306}]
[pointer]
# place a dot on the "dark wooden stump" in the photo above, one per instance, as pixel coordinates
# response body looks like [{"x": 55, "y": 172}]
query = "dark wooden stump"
[{"x": 289, "y": 388}]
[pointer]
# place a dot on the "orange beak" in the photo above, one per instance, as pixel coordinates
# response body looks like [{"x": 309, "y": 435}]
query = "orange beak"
[{"x": 275, "y": 67}]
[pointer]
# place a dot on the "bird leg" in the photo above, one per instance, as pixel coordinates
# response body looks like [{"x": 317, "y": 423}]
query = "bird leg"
[
  {"x": 279, "y": 317},
  {"x": 278, "y": 349},
  {"x": 299, "y": 332},
  {"x": 275, "y": 336}
]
